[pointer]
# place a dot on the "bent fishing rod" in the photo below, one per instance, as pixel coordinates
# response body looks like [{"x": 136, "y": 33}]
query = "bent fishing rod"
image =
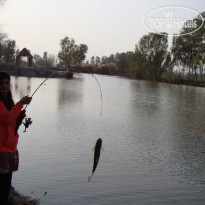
[
  {"x": 28, "y": 121},
  {"x": 76, "y": 70},
  {"x": 101, "y": 96}
]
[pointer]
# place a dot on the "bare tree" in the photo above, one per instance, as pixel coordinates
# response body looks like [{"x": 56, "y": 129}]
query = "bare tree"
[{"x": 2, "y": 2}]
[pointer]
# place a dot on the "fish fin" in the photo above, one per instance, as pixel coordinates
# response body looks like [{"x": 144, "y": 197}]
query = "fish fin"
[
  {"x": 93, "y": 148},
  {"x": 89, "y": 178},
  {"x": 102, "y": 148}
]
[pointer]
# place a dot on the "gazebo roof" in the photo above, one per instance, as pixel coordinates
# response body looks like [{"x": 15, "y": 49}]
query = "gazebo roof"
[{"x": 25, "y": 52}]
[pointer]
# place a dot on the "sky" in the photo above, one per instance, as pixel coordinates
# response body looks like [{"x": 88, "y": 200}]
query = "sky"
[{"x": 105, "y": 26}]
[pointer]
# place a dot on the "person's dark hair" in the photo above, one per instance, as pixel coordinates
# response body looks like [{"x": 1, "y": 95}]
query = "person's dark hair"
[
  {"x": 4, "y": 75},
  {"x": 8, "y": 101}
]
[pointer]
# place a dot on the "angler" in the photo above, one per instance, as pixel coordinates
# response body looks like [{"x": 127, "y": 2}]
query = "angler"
[{"x": 97, "y": 148}]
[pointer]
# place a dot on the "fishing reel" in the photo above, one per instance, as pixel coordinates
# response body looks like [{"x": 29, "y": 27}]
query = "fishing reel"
[{"x": 27, "y": 123}]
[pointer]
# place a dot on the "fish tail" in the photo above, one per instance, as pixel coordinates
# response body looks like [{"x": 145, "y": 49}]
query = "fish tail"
[{"x": 89, "y": 178}]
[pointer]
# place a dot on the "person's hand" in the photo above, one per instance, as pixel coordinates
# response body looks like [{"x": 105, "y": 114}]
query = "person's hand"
[
  {"x": 25, "y": 100},
  {"x": 21, "y": 116}
]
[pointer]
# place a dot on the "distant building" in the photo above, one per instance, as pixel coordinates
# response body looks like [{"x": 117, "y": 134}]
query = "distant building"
[{"x": 24, "y": 53}]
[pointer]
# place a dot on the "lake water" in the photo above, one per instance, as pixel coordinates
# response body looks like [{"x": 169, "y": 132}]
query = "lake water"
[{"x": 153, "y": 137}]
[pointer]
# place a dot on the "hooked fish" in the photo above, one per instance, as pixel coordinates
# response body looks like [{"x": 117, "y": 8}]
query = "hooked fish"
[{"x": 97, "y": 148}]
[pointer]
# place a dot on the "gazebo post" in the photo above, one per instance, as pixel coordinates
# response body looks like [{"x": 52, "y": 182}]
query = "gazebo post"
[{"x": 30, "y": 61}]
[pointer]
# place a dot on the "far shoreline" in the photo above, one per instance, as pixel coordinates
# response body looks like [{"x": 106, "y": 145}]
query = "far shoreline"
[{"x": 45, "y": 72}]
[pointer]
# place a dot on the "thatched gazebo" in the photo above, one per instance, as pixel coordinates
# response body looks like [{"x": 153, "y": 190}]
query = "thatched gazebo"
[{"x": 24, "y": 53}]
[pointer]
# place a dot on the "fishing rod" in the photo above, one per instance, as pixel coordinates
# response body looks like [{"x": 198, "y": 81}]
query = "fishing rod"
[
  {"x": 41, "y": 85},
  {"x": 101, "y": 97},
  {"x": 76, "y": 70},
  {"x": 28, "y": 121}
]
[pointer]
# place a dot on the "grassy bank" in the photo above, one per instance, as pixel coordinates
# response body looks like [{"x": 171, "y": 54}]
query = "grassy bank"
[
  {"x": 167, "y": 77},
  {"x": 180, "y": 79}
]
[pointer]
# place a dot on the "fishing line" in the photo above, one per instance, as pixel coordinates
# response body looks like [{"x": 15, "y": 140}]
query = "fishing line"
[
  {"x": 101, "y": 96},
  {"x": 96, "y": 160}
]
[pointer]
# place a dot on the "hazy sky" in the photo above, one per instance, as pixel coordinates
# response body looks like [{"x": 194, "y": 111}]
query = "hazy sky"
[{"x": 105, "y": 26}]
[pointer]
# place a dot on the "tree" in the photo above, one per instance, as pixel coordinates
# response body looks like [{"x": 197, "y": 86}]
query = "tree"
[
  {"x": 199, "y": 38},
  {"x": 92, "y": 60},
  {"x": 67, "y": 51},
  {"x": 122, "y": 61},
  {"x": 97, "y": 61},
  {"x": 51, "y": 60},
  {"x": 136, "y": 65},
  {"x": 45, "y": 57},
  {"x": 48, "y": 60},
  {"x": 2, "y": 2},
  {"x": 183, "y": 51},
  {"x": 9, "y": 51},
  {"x": 38, "y": 60},
  {"x": 79, "y": 53},
  {"x": 104, "y": 60},
  {"x": 71, "y": 53},
  {"x": 188, "y": 50},
  {"x": 150, "y": 55},
  {"x": 3, "y": 36}
]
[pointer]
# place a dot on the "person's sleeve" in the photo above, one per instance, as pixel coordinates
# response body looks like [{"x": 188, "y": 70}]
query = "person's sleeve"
[{"x": 9, "y": 116}]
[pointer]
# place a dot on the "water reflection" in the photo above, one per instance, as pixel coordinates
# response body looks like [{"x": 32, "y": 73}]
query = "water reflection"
[
  {"x": 170, "y": 126},
  {"x": 153, "y": 135},
  {"x": 25, "y": 82},
  {"x": 29, "y": 86},
  {"x": 70, "y": 92},
  {"x": 16, "y": 84}
]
